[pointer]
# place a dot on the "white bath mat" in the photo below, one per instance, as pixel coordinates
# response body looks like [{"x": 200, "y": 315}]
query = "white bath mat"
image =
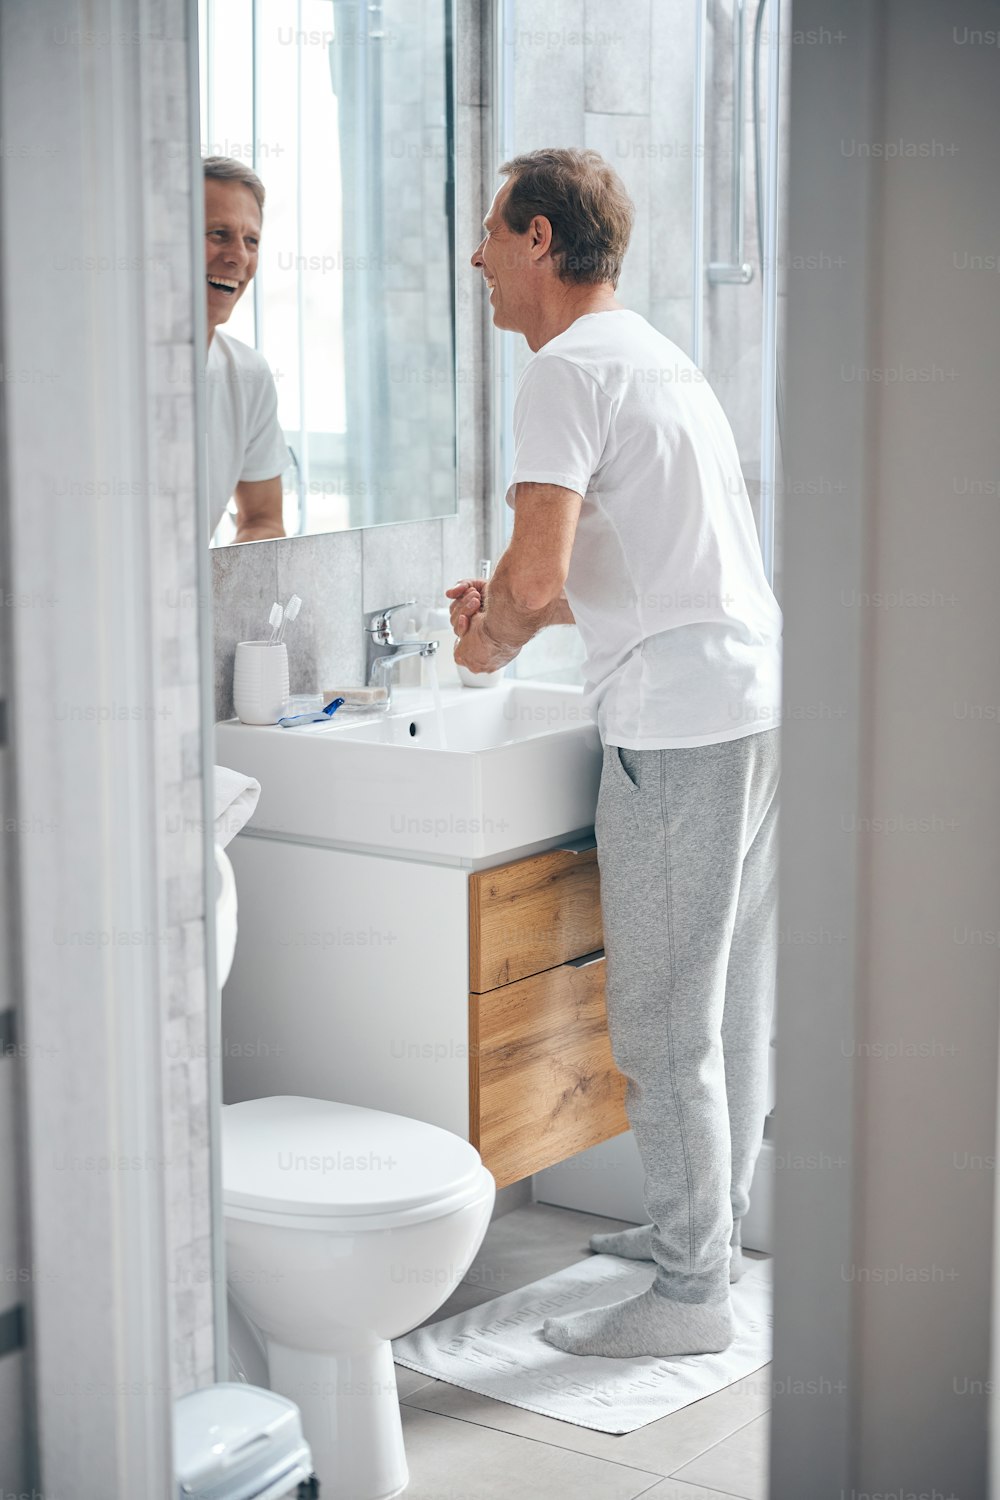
[{"x": 498, "y": 1350}]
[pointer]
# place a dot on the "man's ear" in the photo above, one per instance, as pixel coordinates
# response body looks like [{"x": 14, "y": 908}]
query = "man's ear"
[{"x": 540, "y": 236}]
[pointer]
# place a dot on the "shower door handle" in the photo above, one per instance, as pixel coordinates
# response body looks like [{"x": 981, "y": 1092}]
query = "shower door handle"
[{"x": 735, "y": 269}]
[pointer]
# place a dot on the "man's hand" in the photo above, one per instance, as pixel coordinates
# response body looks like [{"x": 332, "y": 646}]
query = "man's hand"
[
  {"x": 468, "y": 599},
  {"x": 493, "y": 621},
  {"x": 258, "y": 509},
  {"x": 477, "y": 650}
]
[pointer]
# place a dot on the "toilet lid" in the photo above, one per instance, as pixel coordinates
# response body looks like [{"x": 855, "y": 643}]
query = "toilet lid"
[{"x": 287, "y": 1155}]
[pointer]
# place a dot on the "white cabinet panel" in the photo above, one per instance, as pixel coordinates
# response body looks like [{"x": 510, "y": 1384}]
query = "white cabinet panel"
[{"x": 350, "y": 981}]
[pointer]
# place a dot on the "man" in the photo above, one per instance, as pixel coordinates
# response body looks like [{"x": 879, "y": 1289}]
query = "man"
[
  {"x": 247, "y": 454},
  {"x": 631, "y": 518}
]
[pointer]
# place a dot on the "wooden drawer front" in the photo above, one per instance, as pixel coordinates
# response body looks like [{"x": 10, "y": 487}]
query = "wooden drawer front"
[
  {"x": 543, "y": 1083},
  {"x": 532, "y": 915}
]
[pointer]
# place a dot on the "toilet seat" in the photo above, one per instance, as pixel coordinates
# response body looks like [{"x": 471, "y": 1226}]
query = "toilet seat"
[{"x": 311, "y": 1162}]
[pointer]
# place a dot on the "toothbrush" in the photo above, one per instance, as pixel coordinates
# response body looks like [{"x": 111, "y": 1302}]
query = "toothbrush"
[
  {"x": 291, "y": 612},
  {"x": 291, "y": 720},
  {"x": 274, "y": 620}
]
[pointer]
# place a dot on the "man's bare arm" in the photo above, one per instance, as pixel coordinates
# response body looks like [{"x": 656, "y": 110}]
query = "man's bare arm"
[
  {"x": 526, "y": 592},
  {"x": 258, "y": 509}
]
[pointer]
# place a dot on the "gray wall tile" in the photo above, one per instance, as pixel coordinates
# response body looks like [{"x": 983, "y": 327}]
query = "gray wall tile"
[
  {"x": 462, "y": 543},
  {"x": 244, "y": 586},
  {"x": 548, "y": 58},
  {"x": 621, "y": 140},
  {"x": 672, "y": 316},
  {"x": 670, "y": 147},
  {"x": 324, "y": 643},
  {"x": 616, "y": 57},
  {"x": 402, "y": 562}
]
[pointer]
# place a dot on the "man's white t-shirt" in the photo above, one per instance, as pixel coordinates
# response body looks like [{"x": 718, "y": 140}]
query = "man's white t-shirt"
[
  {"x": 244, "y": 438},
  {"x": 666, "y": 581}
]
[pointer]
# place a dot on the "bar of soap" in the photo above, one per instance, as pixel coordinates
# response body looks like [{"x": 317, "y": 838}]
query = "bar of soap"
[{"x": 356, "y": 697}]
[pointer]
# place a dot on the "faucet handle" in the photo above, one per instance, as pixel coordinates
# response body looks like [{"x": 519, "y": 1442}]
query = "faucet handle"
[{"x": 378, "y": 622}]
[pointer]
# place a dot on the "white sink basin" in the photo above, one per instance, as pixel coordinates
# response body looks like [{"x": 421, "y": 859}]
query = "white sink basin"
[{"x": 496, "y": 770}]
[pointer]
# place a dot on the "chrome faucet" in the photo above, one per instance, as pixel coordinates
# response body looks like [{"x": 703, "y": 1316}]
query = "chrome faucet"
[{"x": 382, "y": 650}]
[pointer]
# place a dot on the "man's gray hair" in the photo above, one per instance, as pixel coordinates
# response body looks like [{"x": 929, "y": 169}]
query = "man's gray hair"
[
  {"x": 585, "y": 202},
  {"x": 226, "y": 169}
]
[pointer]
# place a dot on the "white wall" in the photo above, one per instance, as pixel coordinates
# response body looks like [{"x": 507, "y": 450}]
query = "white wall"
[{"x": 891, "y": 802}]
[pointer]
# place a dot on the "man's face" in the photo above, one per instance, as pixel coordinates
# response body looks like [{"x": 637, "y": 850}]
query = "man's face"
[
  {"x": 505, "y": 260},
  {"x": 232, "y": 239}
]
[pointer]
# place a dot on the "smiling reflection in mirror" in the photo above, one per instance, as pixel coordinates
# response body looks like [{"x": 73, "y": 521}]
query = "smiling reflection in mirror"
[{"x": 247, "y": 453}]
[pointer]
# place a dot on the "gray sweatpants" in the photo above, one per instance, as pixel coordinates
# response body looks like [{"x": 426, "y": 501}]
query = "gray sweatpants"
[{"x": 687, "y": 849}]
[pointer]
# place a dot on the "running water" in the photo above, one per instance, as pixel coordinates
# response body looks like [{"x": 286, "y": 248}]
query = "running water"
[{"x": 435, "y": 686}]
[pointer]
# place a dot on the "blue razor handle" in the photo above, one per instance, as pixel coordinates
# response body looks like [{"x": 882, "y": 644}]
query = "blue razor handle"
[{"x": 314, "y": 718}]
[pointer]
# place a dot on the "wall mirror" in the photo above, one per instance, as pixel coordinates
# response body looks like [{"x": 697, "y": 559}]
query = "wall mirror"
[{"x": 345, "y": 110}]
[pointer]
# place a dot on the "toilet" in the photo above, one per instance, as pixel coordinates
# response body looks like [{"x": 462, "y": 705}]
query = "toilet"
[{"x": 345, "y": 1228}]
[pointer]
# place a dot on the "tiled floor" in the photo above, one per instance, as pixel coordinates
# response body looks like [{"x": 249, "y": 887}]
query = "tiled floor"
[{"x": 466, "y": 1447}]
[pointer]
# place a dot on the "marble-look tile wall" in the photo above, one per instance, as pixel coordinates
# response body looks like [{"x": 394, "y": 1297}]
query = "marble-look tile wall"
[
  {"x": 341, "y": 574},
  {"x": 589, "y": 73}
]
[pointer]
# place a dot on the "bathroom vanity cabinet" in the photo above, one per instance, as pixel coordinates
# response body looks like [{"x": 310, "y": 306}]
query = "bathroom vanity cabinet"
[
  {"x": 473, "y": 999},
  {"x": 542, "y": 1082}
]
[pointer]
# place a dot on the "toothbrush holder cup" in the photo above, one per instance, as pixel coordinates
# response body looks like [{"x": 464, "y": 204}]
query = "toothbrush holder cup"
[{"x": 260, "y": 682}]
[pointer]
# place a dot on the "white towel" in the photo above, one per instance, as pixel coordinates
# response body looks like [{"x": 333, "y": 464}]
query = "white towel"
[
  {"x": 235, "y": 799},
  {"x": 497, "y": 1350}
]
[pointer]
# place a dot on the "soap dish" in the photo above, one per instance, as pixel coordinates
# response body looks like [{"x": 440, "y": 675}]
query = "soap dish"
[{"x": 356, "y": 698}]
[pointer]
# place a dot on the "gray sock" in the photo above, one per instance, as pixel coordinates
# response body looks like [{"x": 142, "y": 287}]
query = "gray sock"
[
  {"x": 637, "y": 1244},
  {"x": 632, "y": 1244},
  {"x": 650, "y": 1324}
]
